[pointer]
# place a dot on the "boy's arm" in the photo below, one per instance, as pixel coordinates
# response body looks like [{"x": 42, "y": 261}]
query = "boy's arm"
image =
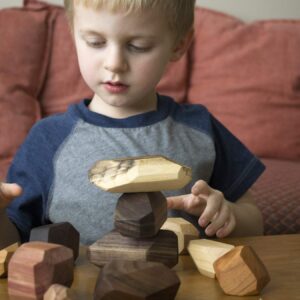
[{"x": 8, "y": 231}]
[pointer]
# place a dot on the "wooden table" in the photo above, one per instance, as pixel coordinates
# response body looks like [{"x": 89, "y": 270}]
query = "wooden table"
[{"x": 280, "y": 254}]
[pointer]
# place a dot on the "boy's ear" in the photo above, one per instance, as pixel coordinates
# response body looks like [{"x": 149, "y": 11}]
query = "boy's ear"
[{"x": 182, "y": 46}]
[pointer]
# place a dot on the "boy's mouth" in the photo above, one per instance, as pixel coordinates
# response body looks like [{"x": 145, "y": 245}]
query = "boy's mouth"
[{"x": 115, "y": 87}]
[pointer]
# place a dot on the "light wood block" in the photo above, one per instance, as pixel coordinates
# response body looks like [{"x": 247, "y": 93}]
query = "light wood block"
[
  {"x": 205, "y": 252},
  {"x": 5, "y": 256},
  {"x": 139, "y": 174},
  {"x": 62, "y": 233},
  {"x": 35, "y": 266},
  {"x": 138, "y": 280},
  {"x": 60, "y": 292},
  {"x": 240, "y": 272},
  {"x": 114, "y": 246},
  {"x": 184, "y": 230},
  {"x": 140, "y": 215}
]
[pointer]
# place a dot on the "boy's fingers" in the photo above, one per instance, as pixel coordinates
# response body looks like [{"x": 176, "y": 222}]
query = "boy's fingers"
[
  {"x": 200, "y": 188},
  {"x": 176, "y": 202},
  {"x": 9, "y": 191}
]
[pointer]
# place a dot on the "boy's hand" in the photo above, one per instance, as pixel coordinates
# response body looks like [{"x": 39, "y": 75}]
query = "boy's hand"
[
  {"x": 8, "y": 191},
  {"x": 211, "y": 207}
]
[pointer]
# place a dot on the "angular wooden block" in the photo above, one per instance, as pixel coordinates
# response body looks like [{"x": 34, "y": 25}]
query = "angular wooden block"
[
  {"x": 184, "y": 230},
  {"x": 35, "y": 266},
  {"x": 240, "y": 272},
  {"x": 138, "y": 280},
  {"x": 59, "y": 292},
  {"x": 139, "y": 174},
  {"x": 5, "y": 256},
  {"x": 205, "y": 252},
  {"x": 114, "y": 246},
  {"x": 62, "y": 233},
  {"x": 140, "y": 215}
]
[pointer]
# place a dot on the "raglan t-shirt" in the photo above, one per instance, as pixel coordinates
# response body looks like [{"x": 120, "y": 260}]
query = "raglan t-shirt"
[{"x": 53, "y": 163}]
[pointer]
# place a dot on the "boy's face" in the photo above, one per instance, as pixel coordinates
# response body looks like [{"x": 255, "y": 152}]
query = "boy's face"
[{"x": 122, "y": 56}]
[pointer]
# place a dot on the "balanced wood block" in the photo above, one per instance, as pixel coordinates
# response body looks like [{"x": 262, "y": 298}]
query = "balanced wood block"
[
  {"x": 205, "y": 252},
  {"x": 140, "y": 215},
  {"x": 114, "y": 246},
  {"x": 240, "y": 272},
  {"x": 35, "y": 266},
  {"x": 59, "y": 292},
  {"x": 184, "y": 230},
  {"x": 138, "y": 280},
  {"x": 139, "y": 174},
  {"x": 5, "y": 256},
  {"x": 62, "y": 233}
]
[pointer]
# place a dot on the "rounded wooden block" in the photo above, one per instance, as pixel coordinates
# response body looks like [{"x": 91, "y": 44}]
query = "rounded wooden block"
[
  {"x": 62, "y": 233},
  {"x": 5, "y": 256},
  {"x": 58, "y": 292},
  {"x": 139, "y": 174},
  {"x": 140, "y": 215},
  {"x": 240, "y": 272},
  {"x": 114, "y": 246},
  {"x": 35, "y": 266},
  {"x": 138, "y": 280}
]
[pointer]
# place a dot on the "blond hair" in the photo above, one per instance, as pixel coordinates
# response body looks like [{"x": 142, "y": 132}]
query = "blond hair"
[{"x": 179, "y": 13}]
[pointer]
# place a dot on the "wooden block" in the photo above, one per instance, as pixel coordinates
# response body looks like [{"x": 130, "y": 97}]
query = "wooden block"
[
  {"x": 240, "y": 272},
  {"x": 205, "y": 252},
  {"x": 62, "y": 233},
  {"x": 59, "y": 292},
  {"x": 138, "y": 280},
  {"x": 184, "y": 230},
  {"x": 5, "y": 256},
  {"x": 35, "y": 266},
  {"x": 114, "y": 246},
  {"x": 139, "y": 174},
  {"x": 140, "y": 215}
]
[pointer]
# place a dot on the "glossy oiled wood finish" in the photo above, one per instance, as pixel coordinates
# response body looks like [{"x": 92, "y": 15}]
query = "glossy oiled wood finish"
[{"x": 280, "y": 254}]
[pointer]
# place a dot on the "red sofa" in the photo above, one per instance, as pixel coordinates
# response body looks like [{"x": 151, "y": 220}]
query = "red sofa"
[{"x": 248, "y": 75}]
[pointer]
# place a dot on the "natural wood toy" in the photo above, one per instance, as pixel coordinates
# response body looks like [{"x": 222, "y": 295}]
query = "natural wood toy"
[
  {"x": 59, "y": 292},
  {"x": 62, "y": 233},
  {"x": 140, "y": 215},
  {"x": 5, "y": 256},
  {"x": 240, "y": 272},
  {"x": 139, "y": 174},
  {"x": 37, "y": 265},
  {"x": 114, "y": 246},
  {"x": 138, "y": 280},
  {"x": 184, "y": 230},
  {"x": 205, "y": 252}
]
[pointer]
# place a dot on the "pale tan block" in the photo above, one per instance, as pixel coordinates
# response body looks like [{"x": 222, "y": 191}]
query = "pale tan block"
[
  {"x": 205, "y": 252},
  {"x": 5, "y": 256},
  {"x": 184, "y": 230}
]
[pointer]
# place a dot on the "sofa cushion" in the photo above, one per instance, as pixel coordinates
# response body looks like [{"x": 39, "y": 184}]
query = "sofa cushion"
[
  {"x": 277, "y": 194},
  {"x": 23, "y": 61},
  {"x": 248, "y": 75}
]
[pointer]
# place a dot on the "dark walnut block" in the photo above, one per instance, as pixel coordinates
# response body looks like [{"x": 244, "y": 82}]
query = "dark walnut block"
[
  {"x": 140, "y": 215},
  {"x": 62, "y": 233},
  {"x": 114, "y": 246},
  {"x": 240, "y": 272},
  {"x": 35, "y": 266},
  {"x": 138, "y": 280}
]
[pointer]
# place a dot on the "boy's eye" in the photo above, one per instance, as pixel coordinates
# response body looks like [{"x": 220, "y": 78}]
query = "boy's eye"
[
  {"x": 138, "y": 48},
  {"x": 95, "y": 44}
]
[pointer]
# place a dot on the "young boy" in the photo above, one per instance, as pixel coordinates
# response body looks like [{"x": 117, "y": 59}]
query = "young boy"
[{"x": 123, "y": 48}]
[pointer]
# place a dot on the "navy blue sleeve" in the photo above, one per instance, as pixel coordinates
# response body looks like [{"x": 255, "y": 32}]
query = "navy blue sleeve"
[
  {"x": 236, "y": 168},
  {"x": 32, "y": 169}
]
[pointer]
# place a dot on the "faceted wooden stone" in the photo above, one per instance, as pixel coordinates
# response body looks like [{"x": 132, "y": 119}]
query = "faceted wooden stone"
[
  {"x": 240, "y": 272},
  {"x": 139, "y": 174},
  {"x": 114, "y": 246},
  {"x": 5, "y": 256},
  {"x": 140, "y": 215},
  {"x": 62, "y": 233},
  {"x": 205, "y": 252},
  {"x": 138, "y": 280},
  {"x": 184, "y": 230},
  {"x": 59, "y": 292},
  {"x": 35, "y": 266}
]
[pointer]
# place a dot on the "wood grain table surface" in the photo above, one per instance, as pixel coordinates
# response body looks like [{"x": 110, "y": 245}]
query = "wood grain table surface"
[{"x": 280, "y": 254}]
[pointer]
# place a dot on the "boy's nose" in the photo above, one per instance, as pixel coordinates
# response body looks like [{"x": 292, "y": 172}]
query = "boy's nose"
[{"x": 115, "y": 61}]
